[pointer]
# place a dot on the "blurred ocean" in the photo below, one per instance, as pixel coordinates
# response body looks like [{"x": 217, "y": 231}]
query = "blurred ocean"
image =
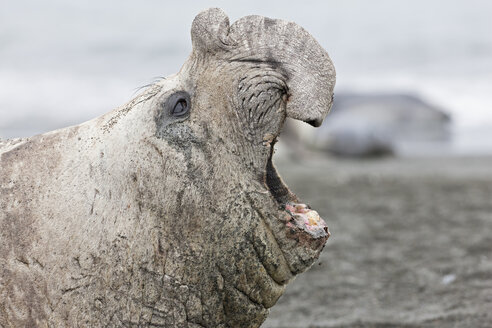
[{"x": 64, "y": 62}]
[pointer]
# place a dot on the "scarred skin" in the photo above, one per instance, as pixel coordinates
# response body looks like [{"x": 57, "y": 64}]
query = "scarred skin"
[{"x": 139, "y": 218}]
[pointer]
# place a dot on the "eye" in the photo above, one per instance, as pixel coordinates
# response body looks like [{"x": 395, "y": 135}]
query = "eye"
[
  {"x": 178, "y": 104},
  {"x": 180, "y": 108}
]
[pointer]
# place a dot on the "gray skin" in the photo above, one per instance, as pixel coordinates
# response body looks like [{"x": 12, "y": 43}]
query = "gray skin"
[{"x": 144, "y": 218}]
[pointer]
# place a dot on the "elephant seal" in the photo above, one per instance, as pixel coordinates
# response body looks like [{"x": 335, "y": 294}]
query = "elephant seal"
[{"x": 168, "y": 211}]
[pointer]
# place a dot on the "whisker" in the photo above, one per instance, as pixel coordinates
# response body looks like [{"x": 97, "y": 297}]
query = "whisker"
[{"x": 155, "y": 80}]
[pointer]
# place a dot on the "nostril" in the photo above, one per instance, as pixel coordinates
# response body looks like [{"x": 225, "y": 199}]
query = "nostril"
[{"x": 315, "y": 123}]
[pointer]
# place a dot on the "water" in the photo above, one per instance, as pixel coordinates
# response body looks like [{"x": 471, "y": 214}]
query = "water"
[{"x": 66, "y": 62}]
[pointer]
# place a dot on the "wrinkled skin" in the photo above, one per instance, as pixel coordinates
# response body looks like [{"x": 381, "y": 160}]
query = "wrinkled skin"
[{"x": 141, "y": 218}]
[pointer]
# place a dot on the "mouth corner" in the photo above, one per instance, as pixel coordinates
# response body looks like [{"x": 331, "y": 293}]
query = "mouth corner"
[{"x": 278, "y": 189}]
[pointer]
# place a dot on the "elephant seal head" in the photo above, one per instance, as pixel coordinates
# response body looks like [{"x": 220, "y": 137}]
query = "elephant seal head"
[{"x": 221, "y": 116}]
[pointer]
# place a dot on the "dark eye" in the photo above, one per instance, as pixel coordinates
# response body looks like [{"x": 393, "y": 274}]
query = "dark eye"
[
  {"x": 180, "y": 108},
  {"x": 178, "y": 104}
]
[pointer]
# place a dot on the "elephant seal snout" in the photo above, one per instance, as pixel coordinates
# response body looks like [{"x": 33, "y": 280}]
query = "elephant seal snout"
[{"x": 168, "y": 211}]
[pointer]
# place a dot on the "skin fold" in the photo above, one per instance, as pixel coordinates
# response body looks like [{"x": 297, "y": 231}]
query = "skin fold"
[{"x": 168, "y": 211}]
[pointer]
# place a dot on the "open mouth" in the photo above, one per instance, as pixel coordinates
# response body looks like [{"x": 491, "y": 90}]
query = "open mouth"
[{"x": 304, "y": 223}]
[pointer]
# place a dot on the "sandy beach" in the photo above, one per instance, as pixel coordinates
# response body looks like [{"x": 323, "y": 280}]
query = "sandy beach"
[{"x": 410, "y": 247}]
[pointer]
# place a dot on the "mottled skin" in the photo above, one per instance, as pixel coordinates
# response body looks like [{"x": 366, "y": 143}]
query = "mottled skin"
[{"x": 138, "y": 218}]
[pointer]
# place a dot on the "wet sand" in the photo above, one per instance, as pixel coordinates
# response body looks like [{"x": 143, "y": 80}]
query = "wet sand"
[{"x": 410, "y": 247}]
